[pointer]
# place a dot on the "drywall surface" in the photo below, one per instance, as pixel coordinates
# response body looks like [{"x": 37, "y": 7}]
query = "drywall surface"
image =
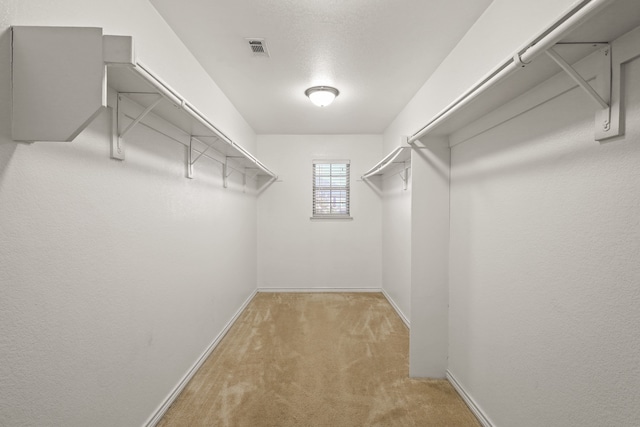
[
  {"x": 396, "y": 241},
  {"x": 504, "y": 28},
  {"x": 544, "y": 267},
  {"x": 115, "y": 276},
  {"x": 429, "y": 258},
  {"x": 296, "y": 252}
]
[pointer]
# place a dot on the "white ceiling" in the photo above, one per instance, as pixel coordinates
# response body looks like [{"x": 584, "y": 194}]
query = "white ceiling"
[{"x": 378, "y": 53}]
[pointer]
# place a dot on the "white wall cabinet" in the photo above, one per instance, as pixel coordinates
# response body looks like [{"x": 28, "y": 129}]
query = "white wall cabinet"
[{"x": 59, "y": 82}]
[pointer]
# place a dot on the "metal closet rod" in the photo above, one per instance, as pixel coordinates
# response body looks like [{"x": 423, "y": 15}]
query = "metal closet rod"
[
  {"x": 579, "y": 13},
  {"x": 165, "y": 90}
]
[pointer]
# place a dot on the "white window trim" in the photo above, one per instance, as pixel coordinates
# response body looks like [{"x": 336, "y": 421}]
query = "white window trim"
[{"x": 331, "y": 217}]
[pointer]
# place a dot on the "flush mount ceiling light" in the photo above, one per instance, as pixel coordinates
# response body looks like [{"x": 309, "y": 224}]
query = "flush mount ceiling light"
[{"x": 322, "y": 95}]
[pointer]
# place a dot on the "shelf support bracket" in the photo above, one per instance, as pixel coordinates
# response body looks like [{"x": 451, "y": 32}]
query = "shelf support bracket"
[
  {"x": 141, "y": 116},
  {"x": 117, "y": 145},
  {"x": 595, "y": 96},
  {"x": 602, "y": 97},
  {"x": 201, "y": 153},
  {"x": 404, "y": 176},
  {"x": 190, "y": 162},
  {"x": 117, "y": 149},
  {"x": 225, "y": 175},
  {"x": 244, "y": 181}
]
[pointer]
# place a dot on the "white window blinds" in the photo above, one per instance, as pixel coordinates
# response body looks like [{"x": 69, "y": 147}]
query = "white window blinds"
[{"x": 331, "y": 188}]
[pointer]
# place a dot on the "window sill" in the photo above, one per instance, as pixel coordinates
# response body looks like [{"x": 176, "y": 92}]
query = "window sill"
[{"x": 331, "y": 218}]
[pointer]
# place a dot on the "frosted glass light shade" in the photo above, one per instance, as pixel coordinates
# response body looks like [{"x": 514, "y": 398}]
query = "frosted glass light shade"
[{"x": 322, "y": 95}]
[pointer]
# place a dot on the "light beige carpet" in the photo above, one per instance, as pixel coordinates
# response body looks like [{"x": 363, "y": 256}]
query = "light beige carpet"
[{"x": 315, "y": 359}]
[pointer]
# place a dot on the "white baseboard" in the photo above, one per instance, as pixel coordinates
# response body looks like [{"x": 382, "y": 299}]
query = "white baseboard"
[
  {"x": 473, "y": 406},
  {"x": 397, "y": 309},
  {"x": 159, "y": 413},
  {"x": 327, "y": 289}
]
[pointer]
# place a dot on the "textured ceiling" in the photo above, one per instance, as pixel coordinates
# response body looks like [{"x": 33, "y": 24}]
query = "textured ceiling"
[{"x": 378, "y": 53}]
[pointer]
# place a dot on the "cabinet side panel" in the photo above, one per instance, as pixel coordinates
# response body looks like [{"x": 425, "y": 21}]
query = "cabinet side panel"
[{"x": 58, "y": 79}]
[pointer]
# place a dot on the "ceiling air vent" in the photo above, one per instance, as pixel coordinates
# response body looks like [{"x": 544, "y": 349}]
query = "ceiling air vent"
[{"x": 258, "y": 47}]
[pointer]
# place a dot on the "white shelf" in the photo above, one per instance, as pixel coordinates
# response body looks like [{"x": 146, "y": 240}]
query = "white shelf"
[
  {"x": 142, "y": 87},
  {"x": 397, "y": 160},
  {"x": 60, "y": 80},
  {"x": 609, "y": 20},
  {"x": 506, "y": 92}
]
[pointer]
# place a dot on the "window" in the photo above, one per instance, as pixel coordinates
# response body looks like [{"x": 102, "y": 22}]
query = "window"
[{"x": 331, "y": 189}]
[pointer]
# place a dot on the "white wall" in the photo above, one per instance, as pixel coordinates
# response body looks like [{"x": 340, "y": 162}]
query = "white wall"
[
  {"x": 503, "y": 28},
  {"x": 429, "y": 258},
  {"x": 544, "y": 268},
  {"x": 297, "y": 252},
  {"x": 545, "y": 244},
  {"x": 115, "y": 277},
  {"x": 396, "y": 241}
]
